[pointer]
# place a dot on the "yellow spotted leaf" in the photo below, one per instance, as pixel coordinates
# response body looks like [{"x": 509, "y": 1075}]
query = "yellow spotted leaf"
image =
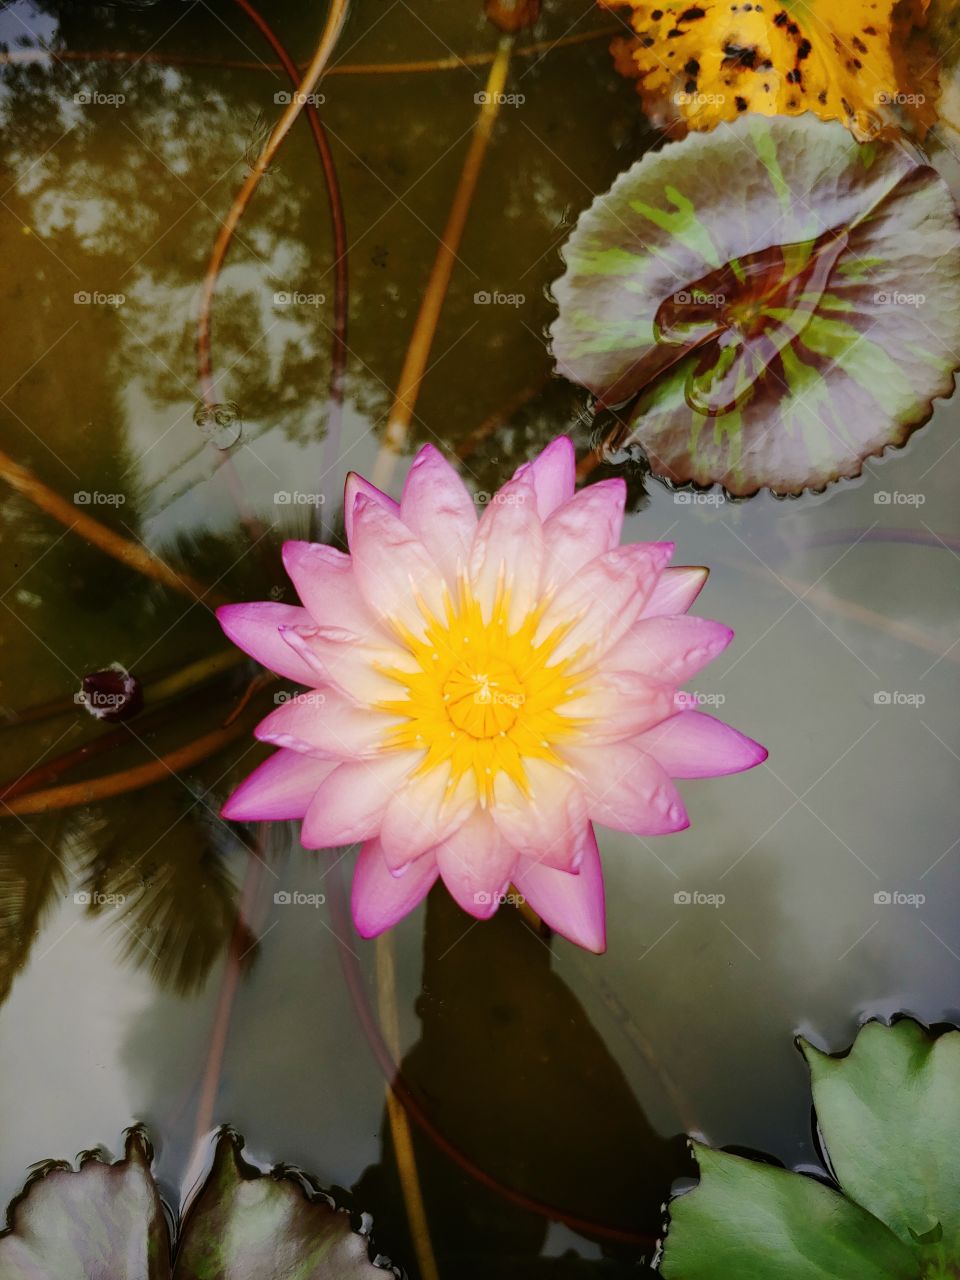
[{"x": 699, "y": 64}]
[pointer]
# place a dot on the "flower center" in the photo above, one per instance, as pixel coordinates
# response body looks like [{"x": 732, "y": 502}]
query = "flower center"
[
  {"x": 481, "y": 696},
  {"x": 483, "y": 703}
]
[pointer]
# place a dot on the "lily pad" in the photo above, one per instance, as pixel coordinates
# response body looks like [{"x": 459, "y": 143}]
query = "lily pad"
[
  {"x": 106, "y": 1221},
  {"x": 770, "y": 304},
  {"x": 889, "y": 1115}
]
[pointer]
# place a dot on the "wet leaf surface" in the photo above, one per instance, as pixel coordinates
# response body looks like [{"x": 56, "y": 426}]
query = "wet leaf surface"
[
  {"x": 697, "y": 65},
  {"x": 775, "y": 302},
  {"x": 107, "y": 1222},
  {"x": 889, "y": 1115}
]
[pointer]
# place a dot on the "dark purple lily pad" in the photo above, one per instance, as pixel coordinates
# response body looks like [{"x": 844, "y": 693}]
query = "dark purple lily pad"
[
  {"x": 106, "y": 1221},
  {"x": 772, "y": 303}
]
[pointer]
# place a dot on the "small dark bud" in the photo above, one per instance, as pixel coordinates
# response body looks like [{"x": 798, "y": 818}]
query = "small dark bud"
[{"x": 113, "y": 694}]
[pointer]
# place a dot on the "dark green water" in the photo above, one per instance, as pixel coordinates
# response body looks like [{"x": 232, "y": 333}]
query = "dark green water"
[{"x": 563, "y": 1075}]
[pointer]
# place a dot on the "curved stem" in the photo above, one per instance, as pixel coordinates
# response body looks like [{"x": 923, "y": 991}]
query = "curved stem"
[
  {"x": 421, "y": 340},
  {"x": 334, "y": 24},
  {"x": 132, "y": 554},
  {"x": 331, "y": 444},
  {"x": 115, "y": 784}
]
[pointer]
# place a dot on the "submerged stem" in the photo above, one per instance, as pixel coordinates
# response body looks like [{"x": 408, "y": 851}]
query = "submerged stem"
[
  {"x": 399, "y": 1122},
  {"x": 425, "y": 327}
]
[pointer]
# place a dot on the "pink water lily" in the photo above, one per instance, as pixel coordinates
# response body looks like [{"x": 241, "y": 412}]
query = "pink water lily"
[{"x": 480, "y": 692}]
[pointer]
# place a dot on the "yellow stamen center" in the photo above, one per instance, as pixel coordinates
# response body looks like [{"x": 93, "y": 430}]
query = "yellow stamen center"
[{"x": 483, "y": 696}]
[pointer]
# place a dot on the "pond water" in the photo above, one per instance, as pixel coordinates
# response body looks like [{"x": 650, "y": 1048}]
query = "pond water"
[{"x": 807, "y": 894}]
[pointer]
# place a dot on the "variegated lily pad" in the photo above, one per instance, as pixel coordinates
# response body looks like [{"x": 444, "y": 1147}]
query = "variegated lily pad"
[
  {"x": 106, "y": 1221},
  {"x": 772, "y": 303}
]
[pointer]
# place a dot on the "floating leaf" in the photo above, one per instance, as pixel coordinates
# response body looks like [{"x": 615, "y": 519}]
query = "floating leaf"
[
  {"x": 699, "y": 64},
  {"x": 107, "y": 1222},
  {"x": 776, "y": 301},
  {"x": 889, "y": 1113}
]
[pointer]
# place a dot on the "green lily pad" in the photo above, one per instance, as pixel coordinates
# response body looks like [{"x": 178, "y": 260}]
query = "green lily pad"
[
  {"x": 770, "y": 304},
  {"x": 889, "y": 1115},
  {"x": 107, "y": 1222}
]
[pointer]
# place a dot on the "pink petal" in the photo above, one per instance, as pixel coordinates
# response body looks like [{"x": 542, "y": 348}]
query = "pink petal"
[
  {"x": 585, "y": 527},
  {"x": 255, "y": 628},
  {"x": 695, "y": 745},
  {"x": 621, "y": 704},
  {"x": 282, "y": 787},
  {"x": 440, "y": 511},
  {"x": 554, "y": 474},
  {"x": 325, "y": 723},
  {"x": 351, "y": 662},
  {"x": 476, "y": 865},
  {"x": 572, "y": 905},
  {"x": 356, "y": 487},
  {"x": 546, "y": 824},
  {"x": 392, "y": 568},
  {"x": 676, "y": 590},
  {"x": 508, "y": 549},
  {"x": 604, "y": 599},
  {"x": 628, "y": 790},
  {"x": 379, "y": 899},
  {"x": 351, "y": 802},
  {"x": 422, "y": 815},
  {"x": 324, "y": 581},
  {"x": 671, "y": 648}
]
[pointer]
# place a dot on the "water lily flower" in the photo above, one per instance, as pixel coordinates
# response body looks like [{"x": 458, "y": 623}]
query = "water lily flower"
[{"x": 480, "y": 692}]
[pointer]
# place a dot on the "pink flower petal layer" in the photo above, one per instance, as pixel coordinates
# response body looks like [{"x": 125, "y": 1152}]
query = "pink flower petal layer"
[
  {"x": 255, "y": 628},
  {"x": 626, "y": 789},
  {"x": 327, "y": 724},
  {"x": 325, "y": 583},
  {"x": 695, "y": 745},
  {"x": 282, "y": 787},
  {"x": 440, "y": 511},
  {"x": 554, "y": 472},
  {"x": 476, "y": 864},
  {"x": 379, "y": 899},
  {"x": 673, "y": 649},
  {"x": 355, "y": 488},
  {"x": 572, "y": 905},
  {"x": 350, "y": 803},
  {"x": 676, "y": 590},
  {"x": 579, "y": 530}
]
